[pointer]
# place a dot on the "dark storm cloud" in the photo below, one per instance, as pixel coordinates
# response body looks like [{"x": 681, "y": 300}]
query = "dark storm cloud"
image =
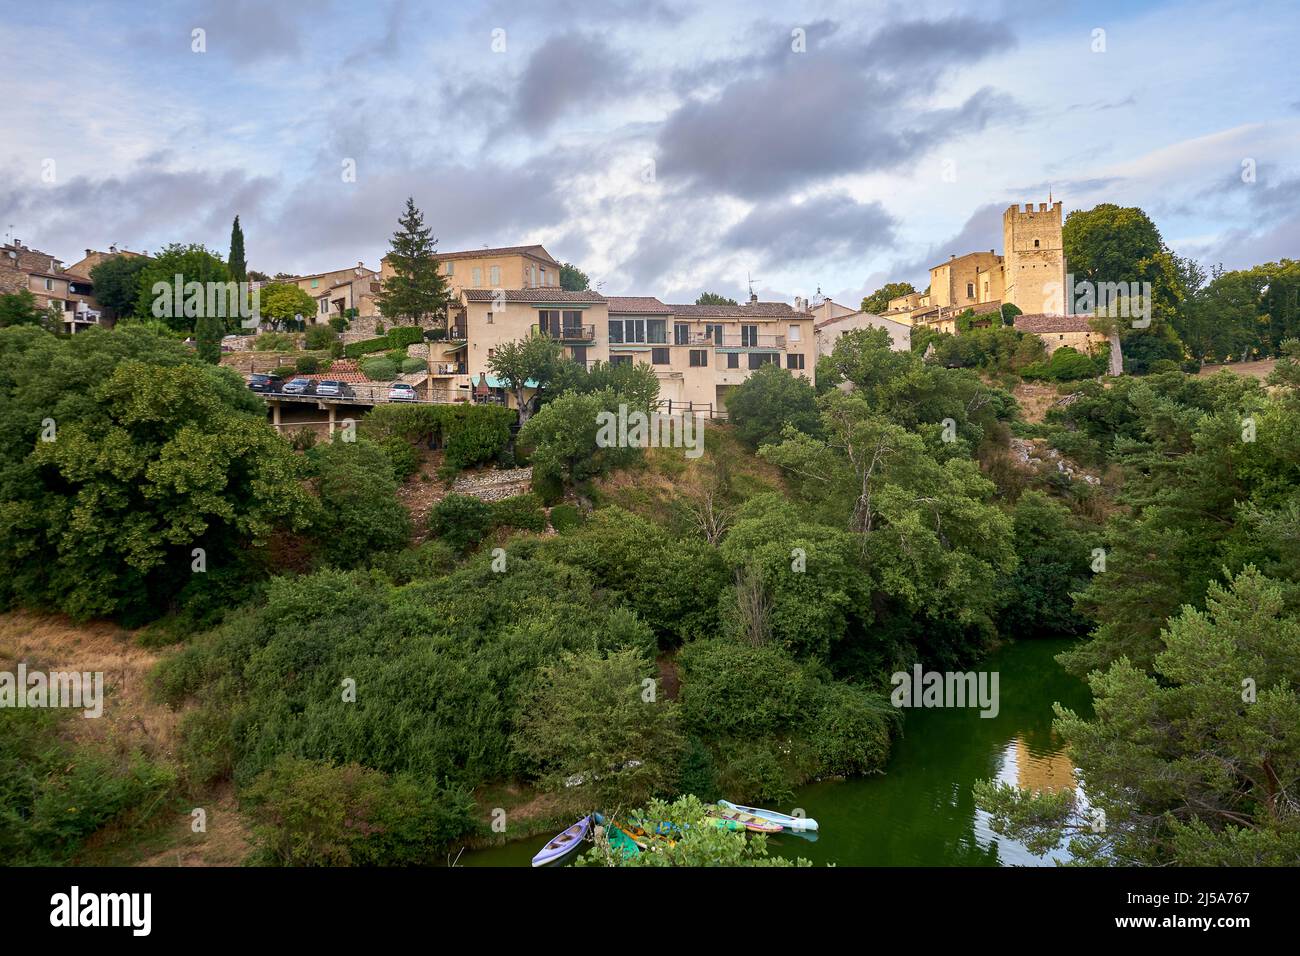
[
  {"x": 982, "y": 231},
  {"x": 843, "y": 106},
  {"x": 250, "y": 30},
  {"x": 826, "y": 227},
  {"x": 567, "y": 71},
  {"x": 143, "y": 209}
]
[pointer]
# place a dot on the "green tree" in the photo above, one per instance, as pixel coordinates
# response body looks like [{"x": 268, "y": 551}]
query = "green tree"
[
  {"x": 156, "y": 286},
  {"x": 528, "y": 363},
  {"x": 236, "y": 262},
  {"x": 124, "y": 454},
  {"x": 117, "y": 285},
  {"x": 595, "y": 731},
  {"x": 713, "y": 298},
  {"x": 417, "y": 288},
  {"x": 573, "y": 279},
  {"x": 284, "y": 302},
  {"x": 20, "y": 308},
  {"x": 879, "y": 300},
  {"x": 208, "y": 332},
  {"x": 360, "y": 513},
  {"x": 1195, "y": 764},
  {"x": 769, "y": 400},
  {"x": 1054, "y": 562}
]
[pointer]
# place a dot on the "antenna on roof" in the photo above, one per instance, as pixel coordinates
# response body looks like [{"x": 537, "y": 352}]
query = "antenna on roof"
[{"x": 752, "y": 296}]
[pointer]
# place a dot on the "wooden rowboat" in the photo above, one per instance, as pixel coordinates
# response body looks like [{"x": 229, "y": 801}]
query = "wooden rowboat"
[{"x": 747, "y": 820}]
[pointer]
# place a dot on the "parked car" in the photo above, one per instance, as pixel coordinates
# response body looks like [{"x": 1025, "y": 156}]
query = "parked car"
[
  {"x": 332, "y": 388},
  {"x": 300, "y": 386},
  {"x": 401, "y": 392},
  {"x": 259, "y": 382}
]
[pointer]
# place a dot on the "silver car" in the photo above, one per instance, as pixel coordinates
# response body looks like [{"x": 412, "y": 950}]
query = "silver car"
[{"x": 401, "y": 392}]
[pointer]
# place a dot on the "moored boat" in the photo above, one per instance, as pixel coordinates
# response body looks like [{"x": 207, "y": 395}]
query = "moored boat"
[
  {"x": 773, "y": 816},
  {"x": 563, "y": 844},
  {"x": 747, "y": 820}
]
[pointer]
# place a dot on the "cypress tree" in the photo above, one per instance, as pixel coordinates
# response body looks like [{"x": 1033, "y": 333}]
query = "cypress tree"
[{"x": 238, "y": 266}]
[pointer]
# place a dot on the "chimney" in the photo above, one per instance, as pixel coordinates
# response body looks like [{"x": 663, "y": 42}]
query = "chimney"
[
  {"x": 88, "y": 251},
  {"x": 753, "y": 297},
  {"x": 113, "y": 249}
]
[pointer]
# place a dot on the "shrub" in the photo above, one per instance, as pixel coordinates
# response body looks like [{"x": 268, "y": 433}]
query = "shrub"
[
  {"x": 307, "y": 364},
  {"x": 432, "y": 559},
  {"x": 285, "y": 371},
  {"x": 358, "y": 495},
  {"x": 1065, "y": 365},
  {"x": 303, "y": 439},
  {"x": 520, "y": 511},
  {"x": 311, "y": 813},
  {"x": 401, "y": 336},
  {"x": 379, "y": 370},
  {"x": 404, "y": 456},
  {"x": 409, "y": 365},
  {"x": 770, "y": 399},
  {"x": 729, "y": 688},
  {"x": 338, "y": 323},
  {"x": 852, "y": 731},
  {"x": 320, "y": 336},
  {"x": 565, "y": 518},
  {"x": 365, "y": 347},
  {"x": 274, "y": 342},
  {"x": 461, "y": 521}
]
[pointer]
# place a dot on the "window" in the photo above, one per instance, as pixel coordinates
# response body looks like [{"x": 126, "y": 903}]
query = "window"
[
  {"x": 579, "y": 354},
  {"x": 713, "y": 332},
  {"x": 699, "y": 358},
  {"x": 450, "y": 268},
  {"x": 494, "y": 275},
  {"x": 794, "y": 333},
  {"x": 49, "y": 284},
  {"x": 659, "y": 356},
  {"x": 749, "y": 336},
  {"x": 633, "y": 330},
  {"x": 657, "y": 331},
  {"x": 733, "y": 360},
  {"x": 315, "y": 283},
  {"x": 544, "y": 282},
  {"x": 970, "y": 290},
  {"x": 573, "y": 322},
  {"x": 681, "y": 334},
  {"x": 491, "y": 353},
  {"x": 324, "y": 306},
  {"x": 620, "y": 360},
  {"x": 794, "y": 360},
  {"x": 489, "y": 318},
  {"x": 1035, "y": 243},
  {"x": 759, "y": 359},
  {"x": 477, "y": 276}
]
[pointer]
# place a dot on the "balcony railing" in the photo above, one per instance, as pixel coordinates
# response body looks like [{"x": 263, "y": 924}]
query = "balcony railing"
[
  {"x": 569, "y": 333},
  {"x": 760, "y": 340}
]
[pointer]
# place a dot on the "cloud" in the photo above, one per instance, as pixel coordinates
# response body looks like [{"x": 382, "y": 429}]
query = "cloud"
[
  {"x": 841, "y": 107},
  {"x": 825, "y": 227},
  {"x": 567, "y": 71}
]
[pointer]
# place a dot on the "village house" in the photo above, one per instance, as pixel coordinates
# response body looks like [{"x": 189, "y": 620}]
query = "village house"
[
  {"x": 832, "y": 320},
  {"x": 68, "y": 293},
  {"x": 1059, "y": 330}
]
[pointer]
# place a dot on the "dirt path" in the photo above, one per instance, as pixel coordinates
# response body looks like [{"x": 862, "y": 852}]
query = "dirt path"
[{"x": 1259, "y": 369}]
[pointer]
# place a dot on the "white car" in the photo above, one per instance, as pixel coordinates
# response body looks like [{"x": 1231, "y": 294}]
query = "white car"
[{"x": 401, "y": 392}]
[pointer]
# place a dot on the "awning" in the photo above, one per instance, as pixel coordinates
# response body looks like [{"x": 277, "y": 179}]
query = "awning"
[{"x": 501, "y": 383}]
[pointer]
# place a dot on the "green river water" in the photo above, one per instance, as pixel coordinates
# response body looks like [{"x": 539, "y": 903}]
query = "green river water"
[{"x": 920, "y": 811}]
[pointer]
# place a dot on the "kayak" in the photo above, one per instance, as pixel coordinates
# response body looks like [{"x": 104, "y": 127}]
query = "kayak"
[
  {"x": 621, "y": 841},
  {"x": 772, "y": 816},
  {"x": 747, "y": 820},
  {"x": 563, "y": 844}
]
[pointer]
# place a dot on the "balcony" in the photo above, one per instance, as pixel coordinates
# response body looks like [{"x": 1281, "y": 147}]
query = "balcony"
[
  {"x": 735, "y": 340},
  {"x": 569, "y": 333}
]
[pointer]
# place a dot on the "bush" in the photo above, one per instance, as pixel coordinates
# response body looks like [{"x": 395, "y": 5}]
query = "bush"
[
  {"x": 285, "y": 371},
  {"x": 462, "y": 521},
  {"x": 410, "y": 365},
  {"x": 1065, "y": 365},
  {"x": 274, "y": 342},
  {"x": 307, "y": 365},
  {"x": 320, "y": 336},
  {"x": 358, "y": 496},
  {"x": 732, "y": 689},
  {"x": 311, "y": 813},
  {"x": 852, "y": 732},
  {"x": 338, "y": 323},
  {"x": 432, "y": 559},
  {"x": 770, "y": 399},
  {"x": 401, "y": 336},
  {"x": 565, "y": 518},
  {"x": 379, "y": 370},
  {"x": 404, "y": 456},
  {"x": 520, "y": 511},
  {"x": 470, "y": 434}
]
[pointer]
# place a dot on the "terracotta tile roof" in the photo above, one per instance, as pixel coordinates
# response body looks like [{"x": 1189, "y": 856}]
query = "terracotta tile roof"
[
  {"x": 763, "y": 310},
  {"x": 342, "y": 370},
  {"x": 542, "y": 294},
  {"x": 637, "y": 304},
  {"x": 880, "y": 319},
  {"x": 1052, "y": 323}
]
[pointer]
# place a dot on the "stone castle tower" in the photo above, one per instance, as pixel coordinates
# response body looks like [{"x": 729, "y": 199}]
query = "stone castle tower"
[{"x": 1033, "y": 259}]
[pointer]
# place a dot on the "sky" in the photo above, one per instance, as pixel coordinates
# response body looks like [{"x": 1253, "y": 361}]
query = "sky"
[{"x": 664, "y": 147}]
